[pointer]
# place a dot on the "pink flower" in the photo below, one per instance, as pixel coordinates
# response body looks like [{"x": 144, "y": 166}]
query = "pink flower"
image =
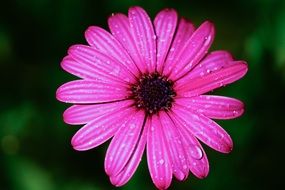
[{"x": 142, "y": 84}]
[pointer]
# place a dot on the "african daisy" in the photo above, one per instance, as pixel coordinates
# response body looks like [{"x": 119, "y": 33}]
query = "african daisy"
[{"x": 143, "y": 85}]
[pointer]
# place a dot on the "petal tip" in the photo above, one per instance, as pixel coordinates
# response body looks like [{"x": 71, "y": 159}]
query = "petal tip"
[
  {"x": 88, "y": 32},
  {"x": 58, "y": 94},
  {"x": 169, "y": 10},
  {"x": 243, "y": 68},
  {"x": 66, "y": 116},
  {"x": 209, "y": 25},
  {"x": 77, "y": 145},
  {"x": 117, "y": 181},
  {"x": 135, "y": 8},
  {"x": 228, "y": 147},
  {"x": 76, "y": 48},
  {"x": 180, "y": 176},
  {"x": 64, "y": 62}
]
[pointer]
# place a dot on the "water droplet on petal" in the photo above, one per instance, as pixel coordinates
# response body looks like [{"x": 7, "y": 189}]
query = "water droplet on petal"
[
  {"x": 161, "y": 161},
  {"x": 131, "y": 134},
  {"x": 196, "y": 152},
  {"x": 132, "y": 126},
  {"x": 116, "y": 71},
  {"x": 210, "y": 122}
]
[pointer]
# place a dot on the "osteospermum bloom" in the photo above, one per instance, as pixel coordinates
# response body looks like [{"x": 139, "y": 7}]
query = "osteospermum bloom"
[{"x": 143, "y": 85}]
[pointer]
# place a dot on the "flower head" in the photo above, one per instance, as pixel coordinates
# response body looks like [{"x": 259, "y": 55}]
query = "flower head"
[{"x": 143, "y": 85}]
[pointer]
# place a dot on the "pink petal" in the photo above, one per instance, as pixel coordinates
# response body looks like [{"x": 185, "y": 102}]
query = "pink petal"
[
  {"x": 193, "y": 50},
  {"x": 144, "y": 36},
  {"x": 85, "y": 91},
  {"x": 100, "y": 129},
  {"x": 184, "y": 31},
  {"x": 214, "y": 61},
  {"x": 204, "y": 129},
  {"x": 82, "y": 114},
  {"x": 158, "y": 160},
  {"x": 216, "y": 107},
  {"x": 196, "y": 156},
  {"x": 124, "y": 176},
  {"x": 165, "y": 25},
  {"x": 86, "y": 72},
  {"x": 128, "y": 171},
  {"x": 107, "y": 44},
  {"x": 178, "y": 156},
  {"x": 103, "y": 64},
  {"x": 123, "y": 144},
  {"x": 211, "y": 81},
  {"x": 120, "y": 28}
]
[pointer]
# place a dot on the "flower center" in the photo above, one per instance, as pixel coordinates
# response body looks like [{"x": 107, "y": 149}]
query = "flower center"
[{"x": 153, "y": 92}]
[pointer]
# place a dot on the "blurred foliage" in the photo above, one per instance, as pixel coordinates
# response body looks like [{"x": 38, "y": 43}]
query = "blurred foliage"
[{"x": 35, "y": 153}]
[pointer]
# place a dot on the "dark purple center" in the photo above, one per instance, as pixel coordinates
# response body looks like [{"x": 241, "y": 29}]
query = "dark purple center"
[{"x": 153, "y": 92}]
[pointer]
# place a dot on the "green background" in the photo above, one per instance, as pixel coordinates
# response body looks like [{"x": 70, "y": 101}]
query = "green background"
[{"x": 35, "y": 151}]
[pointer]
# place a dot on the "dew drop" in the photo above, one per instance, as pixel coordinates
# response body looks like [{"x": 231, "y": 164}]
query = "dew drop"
[
  {"x": 196, "y": 117},
  {"x": 116, "y": 71},
  {"x": 196, "y": 152},
  {"x": 210, "y": 122},
  {"x": 161, "y": 161},
  {"x": 132, "y": 126},
  {"x": 131, "y": 134}
]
